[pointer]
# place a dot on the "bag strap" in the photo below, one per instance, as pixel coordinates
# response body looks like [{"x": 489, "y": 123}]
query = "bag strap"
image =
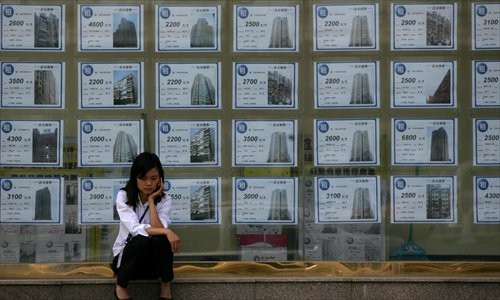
[{"x": 140, "y": 220}]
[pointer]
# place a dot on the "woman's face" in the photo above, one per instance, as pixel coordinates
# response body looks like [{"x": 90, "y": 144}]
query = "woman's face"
[{"x": 148, "y": 183}]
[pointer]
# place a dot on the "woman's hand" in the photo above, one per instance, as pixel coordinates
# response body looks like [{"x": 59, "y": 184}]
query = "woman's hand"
[
  {"x": 157, "y": 192},
  {"x": 174, "y": 239}
]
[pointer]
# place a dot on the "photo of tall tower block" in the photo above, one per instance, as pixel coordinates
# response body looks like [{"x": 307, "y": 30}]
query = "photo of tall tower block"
[
  {"x": 278, "y": 209},
  {"x": 438, "y": 201},
  {"x": 443, "y": 91},
  {"x": 202, "y": 91},
  {"x": 45, "y": 88},
  {"x": 360, "y": 93},
  {"x": 438, "y": 29},
  {"x": 43, "y": 204},
  {"x": 125, "y": 148},
  {"x": 45, "y": 146},
  {"x": 439, "y": 145},
  {"x": 360, "y": 35},
  {"x": 46, "y": 33},
  {"x": 125, "y": 35},
  {"x": 202, "y": 34},
  {"x": 361, "y": 208},
  {"x": 360, "y": 150},
  {"x": 278, "y": 149},
  {"x": 280, "y": 37}
]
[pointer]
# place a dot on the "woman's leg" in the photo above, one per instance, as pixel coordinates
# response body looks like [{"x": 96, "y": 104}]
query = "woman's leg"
[{"x": 131, "y": 261}]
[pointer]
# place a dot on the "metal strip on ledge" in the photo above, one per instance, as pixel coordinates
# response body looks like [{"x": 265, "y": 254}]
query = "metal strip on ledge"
[{"x": 235, "y": 270}]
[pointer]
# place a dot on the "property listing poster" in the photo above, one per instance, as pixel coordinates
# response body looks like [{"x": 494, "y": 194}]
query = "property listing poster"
[
  {"x": 266, "y": 28},
  {"x": 110, "y": 28},
  {"x": 97, "y": 197},
  {"x": 265, "y": 85},
  {"x": 264, "y": 143},
  {"x": 110, "y": 143},
  {"x": 424, "y": 26},
  {"x": 423, "y": 84},
  {"x": 188, "y": 85},
  {"x": 486, "y": 199},
  {"x": 32, "y": 27},
  {"x": 334, "y": 241},
  {"x": 188, "y": 143},
  {"x": 346, "y": 84},
  {"x": 188, "y": 28},
  {"x": 424, "y": 141},
  {"x": 486, "y": 83},
  {"x": 347, "y": 199},
  {"x": 31, "y": 143},
  {"x": 31, "y": 200},
  {"x": 111, "y": 85},
  {"x": 346, "y": 142},
  {"x": 194, "y": 200},
  {"x": 265, "y": 200},
  {"x": 32, "y": 85},
  {"x": 487, "y": 142},
  {"x": 485, "y": 26},
  {"x": 346, "y": 27},
  {"x": 423, "y": 199}
]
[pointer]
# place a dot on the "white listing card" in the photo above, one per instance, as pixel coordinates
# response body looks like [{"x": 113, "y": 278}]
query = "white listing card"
[
  {"x": 346, "y": 142},
  {"x": 109, "y": 143},
  {"x": 32, "y": 85},
  {"x": 486, "y": 83},
  {"x": 264, "y": 142},
  {"x": 188, "y": 143},
  {"x": 33, "y": 27},
  {"x": 346, "y": 27},
  {"x": 31, "y": 200},
  {"x": 31, "y": 143},
  {"x": 346, "y": 84},
  {"x": 265, "y": 200},
  {"x": 423, "y": 84},
  {"x": 110, "y": 85},
  {"x": 424, "y": 142},
  {"x": 487, "y": 142},
  {"x": 110, "y": 27},
  {"x": 487, "y": 200},
  {"x": 259, "y": 85},
  {"x": 188, "y": 28},
  {"x": 188, "y": 85},
  {"x": 424, "y": 26},
  {"x": 485, "y": 26},
  {"x": 347, "y": 199},
  {"x": 194, "y": 200},
  {"x": 266, "y": 28},
  {"x": 424, "y": 199},
  {"x": 97, "y": 200}
]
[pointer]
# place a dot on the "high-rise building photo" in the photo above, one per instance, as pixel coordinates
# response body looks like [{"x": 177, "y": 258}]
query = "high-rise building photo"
[
  {"x": 202, "y": 145},
  {"x": 280, "y": 35},
  {"x": 202, "y": 91},
  {"x": 45, "y": 87},
  {"x": 46, "y": 31},
  {"x": 202, "y": 203},
  {"x": 45, "y": 146},
  {"x": 279, "y": 89},
  {"x": 125, "y": 88},
  {"x": 202, "y": 34},
  {"x": 438, "y": 29},
  {"x": 360, "y": 32},
  {"x": 125, "y": 31}
]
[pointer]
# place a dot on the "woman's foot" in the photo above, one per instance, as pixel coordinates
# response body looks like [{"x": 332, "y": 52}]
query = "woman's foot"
[
  {"x": 121, "y": 293},
  {"x": 165, "y": 292}
]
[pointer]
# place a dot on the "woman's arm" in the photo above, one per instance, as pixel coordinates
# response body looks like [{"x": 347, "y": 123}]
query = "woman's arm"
[
  {"x": 173, "y": 238},
  {"x": 154, "y": 219}
]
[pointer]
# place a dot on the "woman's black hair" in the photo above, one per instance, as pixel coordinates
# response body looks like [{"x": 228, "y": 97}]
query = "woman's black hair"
[{"x": 142, "y": 164}]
